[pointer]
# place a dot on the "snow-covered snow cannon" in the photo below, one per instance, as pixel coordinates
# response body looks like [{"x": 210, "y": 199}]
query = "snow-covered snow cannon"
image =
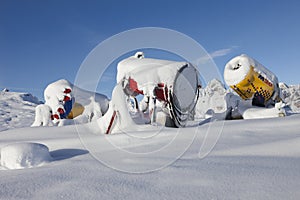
[
  {"x": 168, "y": 86},
  {"x": 252, "y": 81}
]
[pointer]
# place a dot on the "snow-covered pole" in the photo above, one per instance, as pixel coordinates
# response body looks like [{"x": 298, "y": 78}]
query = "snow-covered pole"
[
  {"x": 113, "y": 117},
  {"x": 153, "y": 109}
]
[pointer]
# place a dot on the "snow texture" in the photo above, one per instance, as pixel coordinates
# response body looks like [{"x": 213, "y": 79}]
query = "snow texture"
[
  {"x": 24, "y": 155},
  {"x": 253, "y": 159},
  {"x": 291, "y": 96},
  {"x": 16, "y": 109},
  {"x": 252, "y": 112},
  {"x": 212, "y": 97},
  {"x": 123, "y": 118},
  {"x": 42, "y": 116}
]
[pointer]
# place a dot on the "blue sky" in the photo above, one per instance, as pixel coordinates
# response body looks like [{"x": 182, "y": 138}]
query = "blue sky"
[{"x": 42, "y": 41}]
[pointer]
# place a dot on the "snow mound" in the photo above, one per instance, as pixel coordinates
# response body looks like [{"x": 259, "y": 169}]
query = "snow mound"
[
  {"x": 211, "y": 99},
  {"x": 24, "y": 155},
  {"x": 291, "y": 96},
  {"x": 253, "y": 112}
]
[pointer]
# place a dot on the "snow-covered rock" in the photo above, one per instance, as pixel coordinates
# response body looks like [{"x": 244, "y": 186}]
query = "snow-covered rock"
[
  {"x": 212, "y": 98},
  {"x": 291, "y": 96},
  {"x": 24, "y": 155}
]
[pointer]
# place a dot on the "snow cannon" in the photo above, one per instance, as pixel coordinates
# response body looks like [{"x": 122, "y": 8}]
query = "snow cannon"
[
  {"x": 252, "y": 81},
  {"x": 173, "y": 84}
]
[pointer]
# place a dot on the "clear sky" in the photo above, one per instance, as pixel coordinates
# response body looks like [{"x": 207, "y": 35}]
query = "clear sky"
[{"x": 42, "y": 41}]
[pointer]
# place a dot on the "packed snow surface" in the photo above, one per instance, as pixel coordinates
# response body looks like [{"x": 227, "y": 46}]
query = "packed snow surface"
[
  {"x": 252, "y": 159},
  {"x": 237, "y": 159}
]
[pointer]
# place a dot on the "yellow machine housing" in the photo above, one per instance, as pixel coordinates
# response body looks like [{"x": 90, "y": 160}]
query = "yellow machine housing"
[
  {"x": 253, "y": 84},
  {"x": 77, "y": 110}
]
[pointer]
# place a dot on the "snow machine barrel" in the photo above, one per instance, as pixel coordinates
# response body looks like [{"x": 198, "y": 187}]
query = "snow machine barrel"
[
  {"x": 251, "y": 80},
  {"x": 173, "y": 84}
]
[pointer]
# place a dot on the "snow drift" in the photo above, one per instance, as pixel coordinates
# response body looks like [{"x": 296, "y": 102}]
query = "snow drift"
[{"x": 24, "y": 155}]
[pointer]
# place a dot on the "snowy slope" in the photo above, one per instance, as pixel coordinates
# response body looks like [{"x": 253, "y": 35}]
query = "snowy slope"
[
  {"x": 253, "y": 159},
  {"x": 16, "y": 110}
]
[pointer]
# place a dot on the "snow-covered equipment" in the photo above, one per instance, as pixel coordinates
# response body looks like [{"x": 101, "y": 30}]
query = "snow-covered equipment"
[
  {"x": 173, "y": 84},
  {"x": 252, "y": 81},
  {"x": 58, "y": 95},
  {"x": 77, "y": 109},
  {"x": 60, "y": 104},
  {"x": 213, "y": 99}
]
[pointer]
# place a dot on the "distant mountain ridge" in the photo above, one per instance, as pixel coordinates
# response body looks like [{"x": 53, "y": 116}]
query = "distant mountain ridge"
[{"x": 17, "y": 109}]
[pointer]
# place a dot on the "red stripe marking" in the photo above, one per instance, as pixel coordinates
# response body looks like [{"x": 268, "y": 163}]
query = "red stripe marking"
[{"x": 111, "y": 122}]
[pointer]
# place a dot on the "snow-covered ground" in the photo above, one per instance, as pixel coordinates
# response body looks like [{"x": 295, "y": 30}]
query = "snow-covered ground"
[{"x": 252, "y": 159}]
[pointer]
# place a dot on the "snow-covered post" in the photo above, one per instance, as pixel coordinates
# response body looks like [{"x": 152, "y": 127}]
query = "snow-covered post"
[
  {"x": 117, "y": 118},
  {"x": 43, "y": 114}
]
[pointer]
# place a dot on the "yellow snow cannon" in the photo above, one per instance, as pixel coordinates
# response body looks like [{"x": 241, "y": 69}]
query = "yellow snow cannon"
[
  {"x": 77, "y": 110},
  {"x": 252, "y": 81}
]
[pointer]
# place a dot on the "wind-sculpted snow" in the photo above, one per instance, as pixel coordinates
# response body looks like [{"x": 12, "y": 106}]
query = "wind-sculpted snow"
[
  {"x": 16, "y": 109},
  {"x": 291, "y": 95},
  {"x": 212, "y": 97},
  {"x": 24, "y": 155},
  {"x": 253, "y": 159}
]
